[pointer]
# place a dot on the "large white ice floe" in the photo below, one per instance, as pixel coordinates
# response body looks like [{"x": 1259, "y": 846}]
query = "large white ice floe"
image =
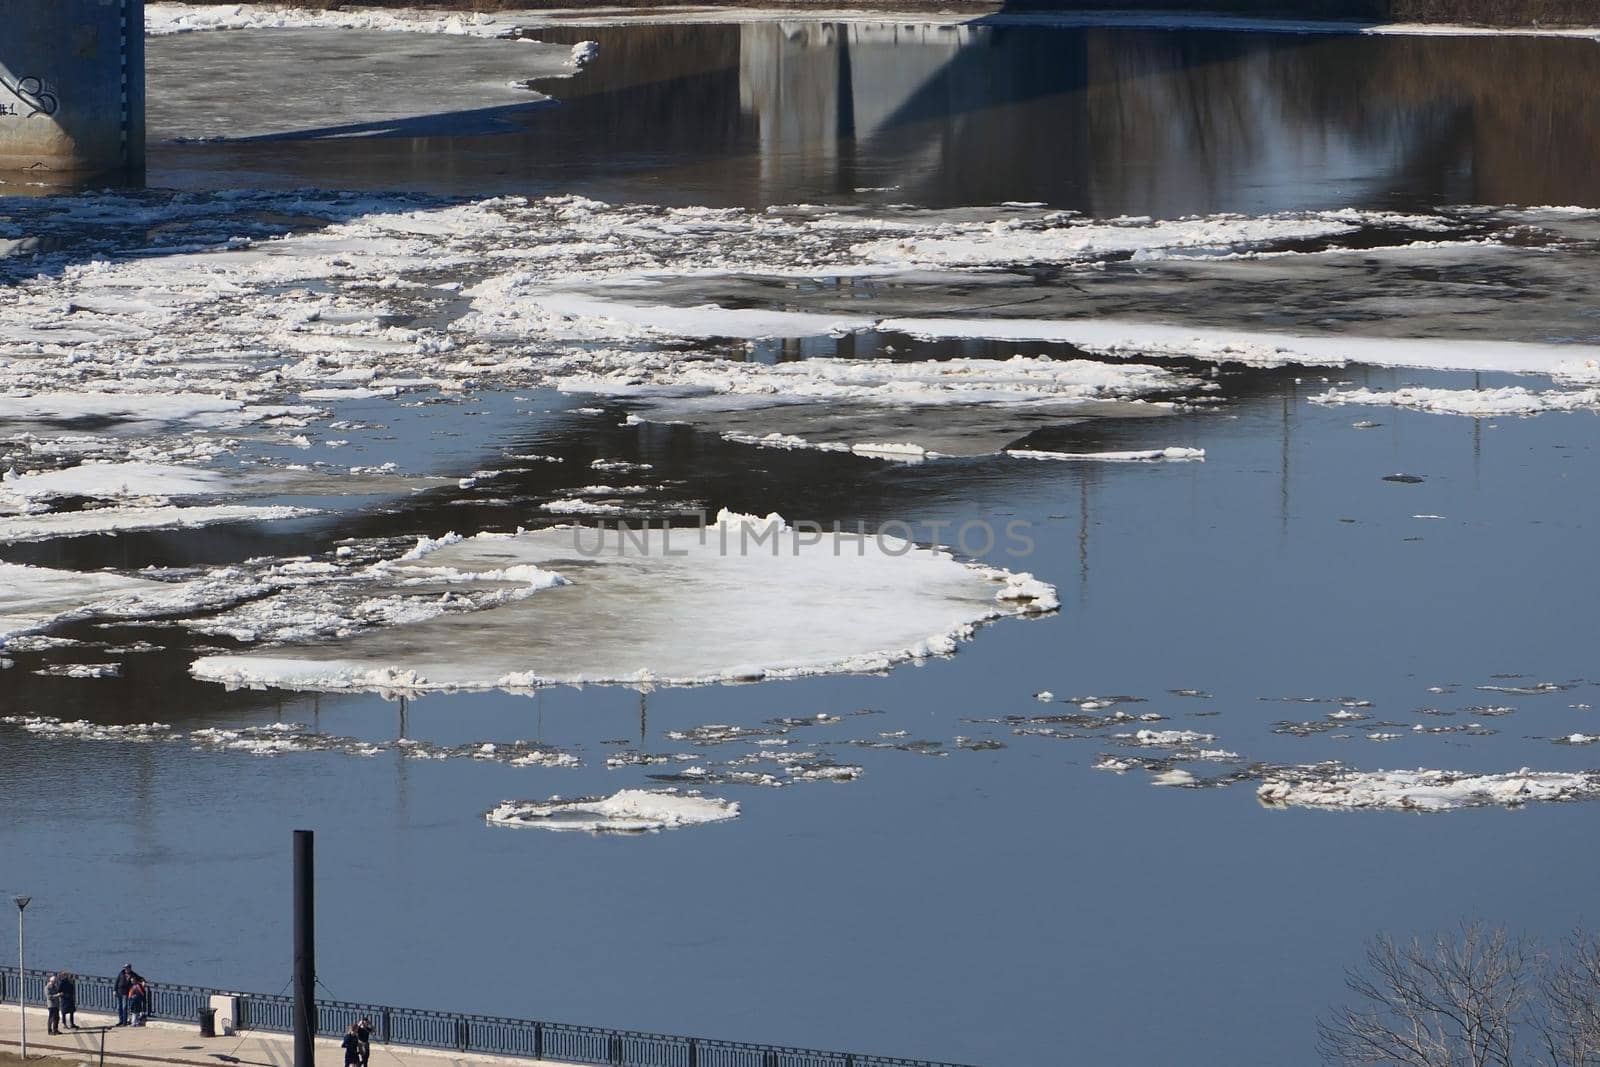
[
  {"x": 1425, "y": 790},
  {"x": 628, "y": 811},
  {"x": 1511, "y": 400},
  {"x": 27, "y": 405},
  {"x": 34, "y": 598},
  {"x": 1010, "y": 241},
  {"x": 108, "y": 481},
  {"x": 111, "y": 520},
  {"x": 302, "y": 82},
  {"x": 1123, "y": 339},
  {"x": 161, "y": 19},
  {"x": 739, "y": 599}
]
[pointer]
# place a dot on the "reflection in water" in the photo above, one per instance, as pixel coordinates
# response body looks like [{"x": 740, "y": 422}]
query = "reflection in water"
[{"x": 1105, "y": 121}]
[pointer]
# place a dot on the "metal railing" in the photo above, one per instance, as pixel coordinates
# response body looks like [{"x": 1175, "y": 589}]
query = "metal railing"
[{"x": 484, "y": 1034}]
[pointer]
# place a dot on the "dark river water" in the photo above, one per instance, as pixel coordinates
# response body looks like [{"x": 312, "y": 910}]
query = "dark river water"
[
  {"x": 1103, "y": 121},
  {"x": 999, "y": 905}
]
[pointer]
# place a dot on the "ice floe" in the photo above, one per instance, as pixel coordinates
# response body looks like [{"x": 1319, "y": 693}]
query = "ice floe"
[
  {"x": 1124, "y": 339},
  {"x": 628, "y": 811},
  {"x": 1511, "y": 400},
  {"x": 882, "y": 409},
  {"x": 112, "y": 520},
  {"x": 1135, "y": 456},
  {"x": 292, "y": 79},
  {"x": 81, "y": 670},
  {"x": 106, "y": 481},
  {"x": 874, "y": 601},
  {"x": 35, "y": 598},
  {"x": 1424, "y": 790},
  {"x": 83, "y": 730},
  {"x": 281, "y": 738},
  {"x": 244, "y": 318},
  {"x": 1063, "y": 238},
  {"x": 168, "y": 18}
]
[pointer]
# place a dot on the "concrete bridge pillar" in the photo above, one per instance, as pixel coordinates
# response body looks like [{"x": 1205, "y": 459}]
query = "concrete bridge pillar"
[{"x": 72, "y": 86}]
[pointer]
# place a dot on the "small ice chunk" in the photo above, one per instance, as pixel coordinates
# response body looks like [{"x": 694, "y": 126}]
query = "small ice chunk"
[{"x": 628, "y": 811}]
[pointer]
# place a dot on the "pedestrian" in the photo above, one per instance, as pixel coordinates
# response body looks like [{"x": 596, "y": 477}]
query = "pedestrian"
[
  {"x": 138, "y": 998},
  {"x": 52, "y": 994},
  {"x": 352, "y": 1047},
  {"x": 69, "y": 1000},
  {"x": 364, "y": 1032},
  {"x": 123, "y": 986}
]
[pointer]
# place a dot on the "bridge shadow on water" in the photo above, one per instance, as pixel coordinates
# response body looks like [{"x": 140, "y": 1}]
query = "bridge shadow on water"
[{"x": 1146, "y": 117}]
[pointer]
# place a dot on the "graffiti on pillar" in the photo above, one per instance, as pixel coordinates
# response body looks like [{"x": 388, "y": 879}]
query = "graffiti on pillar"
[{"x": 27, "y": 97}]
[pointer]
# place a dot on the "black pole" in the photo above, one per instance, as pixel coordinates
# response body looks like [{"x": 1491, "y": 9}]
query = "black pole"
[{"x": 305, "y": 952}]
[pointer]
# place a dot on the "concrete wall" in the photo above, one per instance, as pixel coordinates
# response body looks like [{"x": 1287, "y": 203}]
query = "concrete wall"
[{"x": 71, "y": 85}]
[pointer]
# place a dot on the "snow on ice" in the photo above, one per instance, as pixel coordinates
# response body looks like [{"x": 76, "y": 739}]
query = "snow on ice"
[
  {"x": 35, "y": 598},
  {"x": 169, "y": 18},
  {"x": 245, "y": 318},
  {"x": 1426, "y": 790},
  {"x": 851, "y": 603},
  {"x": 628, "y": 811},
  {"x": 1512, "y": 400}
]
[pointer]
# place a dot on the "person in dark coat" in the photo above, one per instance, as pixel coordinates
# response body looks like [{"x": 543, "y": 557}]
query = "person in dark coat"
[
  {"x": 364, "y": 1032},
  {"x": 69, "y": 1000},
  {"x": 122, "y": 987},
  {"x": 52, "y": 994},
  {"x": 352, "y": 1047}
]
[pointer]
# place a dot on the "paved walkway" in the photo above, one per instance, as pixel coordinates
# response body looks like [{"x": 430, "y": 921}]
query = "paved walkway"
[{"x": 163, "y": 1042}]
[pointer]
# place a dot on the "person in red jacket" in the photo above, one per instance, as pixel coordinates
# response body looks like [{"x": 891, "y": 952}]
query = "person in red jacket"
[
  {"x": 122, "y": 987},
  {"x": 138, "y": 1002}
]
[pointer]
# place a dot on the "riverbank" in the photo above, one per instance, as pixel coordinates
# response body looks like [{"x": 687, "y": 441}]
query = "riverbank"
[
  {"x": 1496, "y": 13},
  {"x": 180, "y": 1044}
]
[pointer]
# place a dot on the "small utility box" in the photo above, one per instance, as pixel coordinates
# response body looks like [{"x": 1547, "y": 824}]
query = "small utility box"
[{"x": 225, "y": 1007}]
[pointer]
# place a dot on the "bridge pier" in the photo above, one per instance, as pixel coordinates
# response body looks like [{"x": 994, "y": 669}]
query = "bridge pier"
[{"x": 72, "y": 86}]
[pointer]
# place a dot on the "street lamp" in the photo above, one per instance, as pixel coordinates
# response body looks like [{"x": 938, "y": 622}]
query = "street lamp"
[{"x": 22, "y": 988}]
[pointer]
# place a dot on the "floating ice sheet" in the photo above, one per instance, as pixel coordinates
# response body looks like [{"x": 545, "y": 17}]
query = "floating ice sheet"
[
  {"x": 628, "y": 811},
  {"x": 1426, "y": 790},
  {"x": 358, "y": 83},
  {"x": 161, "y": 19},
  {"x": 1133, "y": 339},
  {"x": 34, "y": 598},
  {"x": 1061, "y": 239},
  {"x": 111, "y": 520},
  {"x": 742, "y": 599},
  {"x": 1511, "y": 400},
  {"x": 106, "y": 481}
]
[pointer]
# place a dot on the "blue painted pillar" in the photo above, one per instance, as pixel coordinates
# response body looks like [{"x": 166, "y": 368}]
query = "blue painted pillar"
[{"x": 72, "y": 86}]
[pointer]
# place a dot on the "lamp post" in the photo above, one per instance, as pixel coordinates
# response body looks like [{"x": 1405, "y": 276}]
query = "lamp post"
[{"x": 22, "y": 989}]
